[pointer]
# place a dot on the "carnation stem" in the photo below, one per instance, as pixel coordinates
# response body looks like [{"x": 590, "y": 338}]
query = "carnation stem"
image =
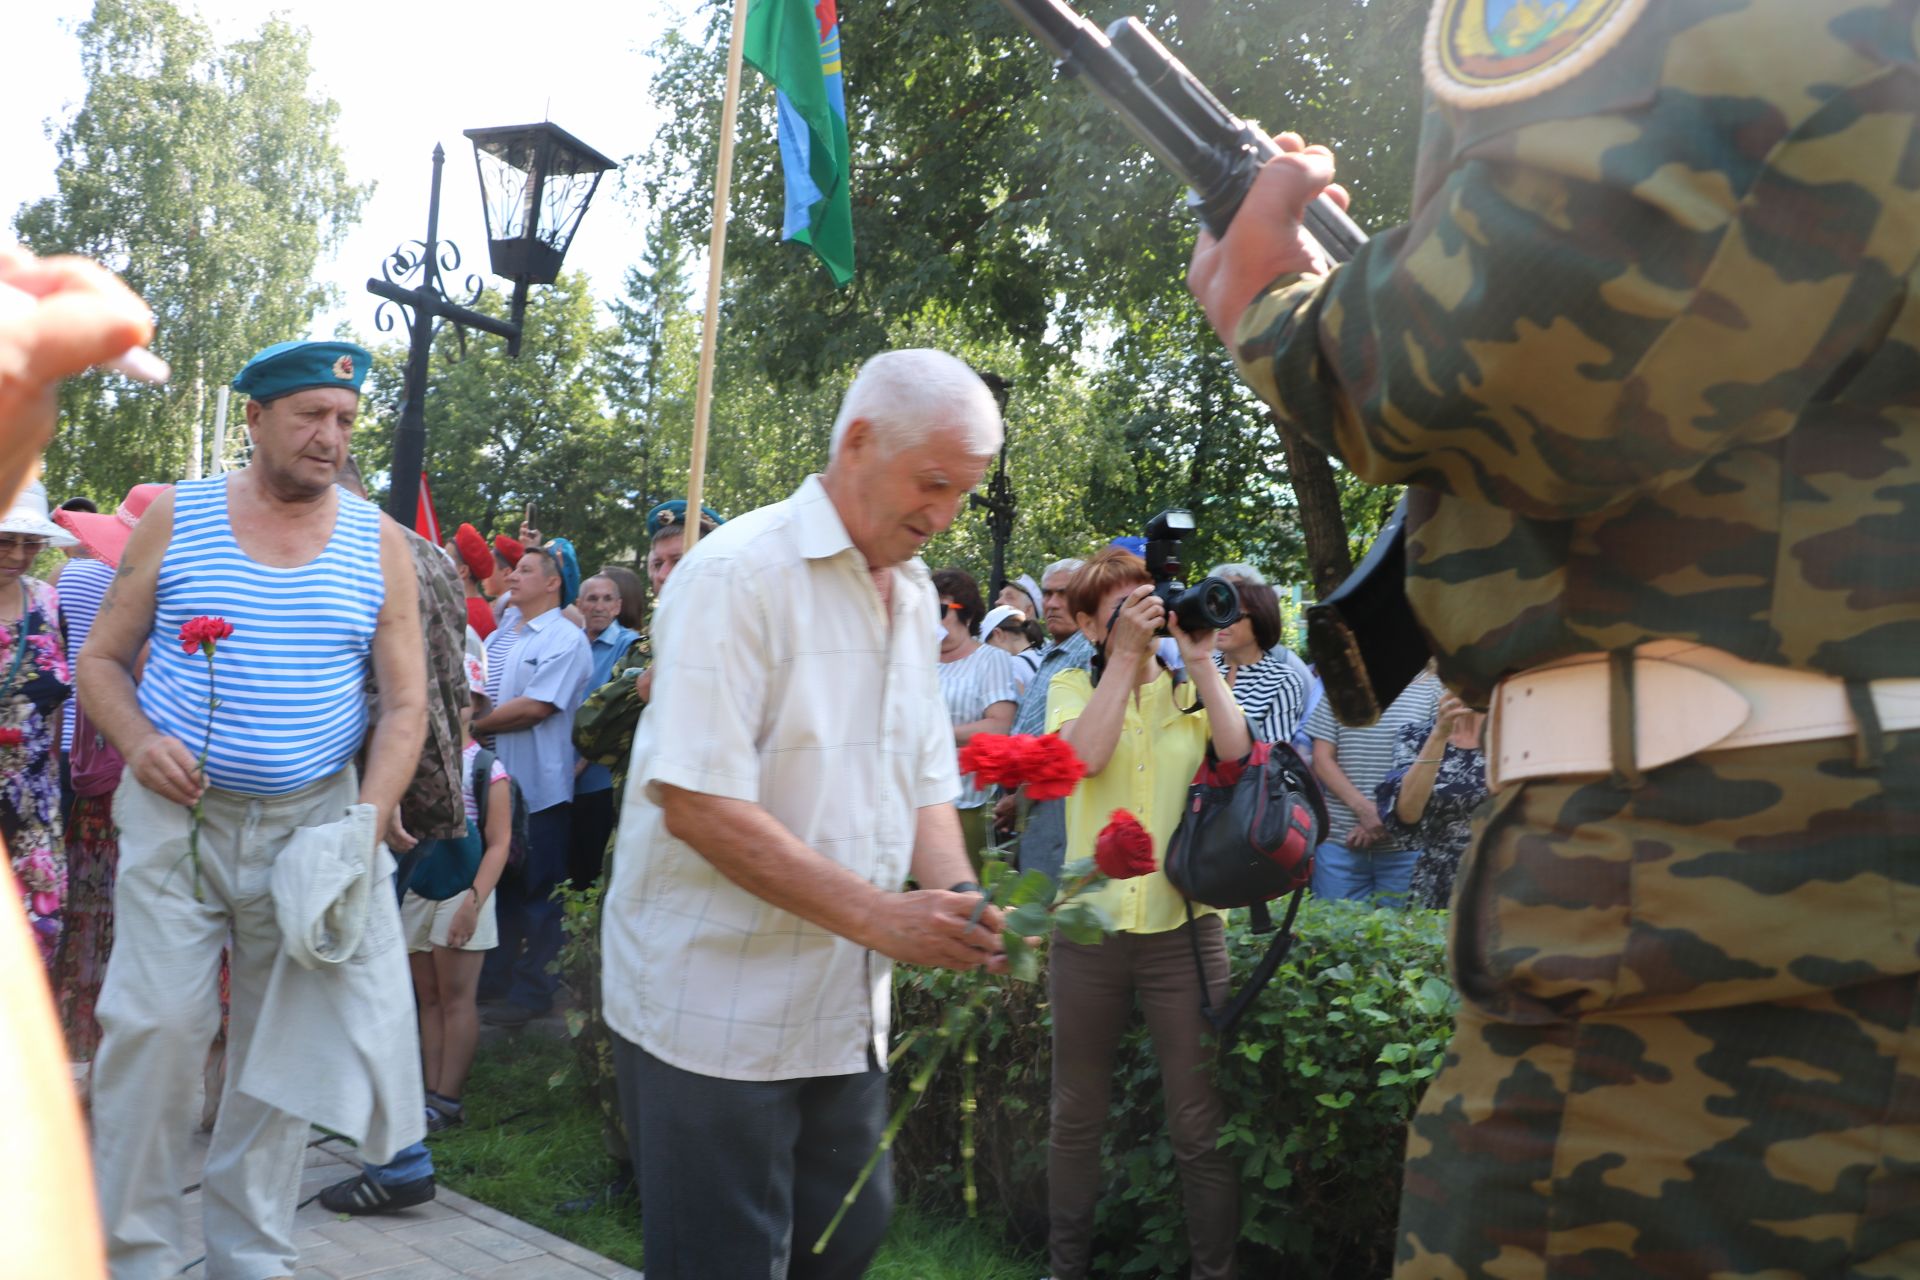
[
  {"x": 952, "y": 1027},
  {"x": 969, "y": 1058},
  {"x": 206, "y": 747}
]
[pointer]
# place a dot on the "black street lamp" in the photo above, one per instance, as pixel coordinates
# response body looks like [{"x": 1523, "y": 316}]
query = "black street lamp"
[{"x": 536, "y": 181}]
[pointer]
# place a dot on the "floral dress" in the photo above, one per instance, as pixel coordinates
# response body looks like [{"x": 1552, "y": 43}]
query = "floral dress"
[
  {"x": 1446, "y": 824},
  {"x": 35, "y": 683}
]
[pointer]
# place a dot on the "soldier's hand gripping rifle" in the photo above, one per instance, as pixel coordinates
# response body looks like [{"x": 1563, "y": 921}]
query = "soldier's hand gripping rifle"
[{"x": 1363, "y": 636}]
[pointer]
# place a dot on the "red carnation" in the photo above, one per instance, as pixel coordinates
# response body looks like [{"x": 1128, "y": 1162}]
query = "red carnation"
[
  {"x": 1046, "y": 765},
  {"x": 1051, "y": 766},
  {"x": 12, "y": 738},
  {"x": 203, "y": 634},
  {"x": 1123, "y": 849},
  {"x": 992, "y": 759}
]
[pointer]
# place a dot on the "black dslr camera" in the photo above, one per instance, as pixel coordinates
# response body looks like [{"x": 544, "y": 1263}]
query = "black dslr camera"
[{"x": 1209, "y": 604}]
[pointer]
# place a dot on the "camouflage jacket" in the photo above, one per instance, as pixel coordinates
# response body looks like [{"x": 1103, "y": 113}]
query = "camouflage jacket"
[
  {"x": 604, "y": 726},
  {"x": 432, "y": 808},
  {"x": 1648, "y": 348}
]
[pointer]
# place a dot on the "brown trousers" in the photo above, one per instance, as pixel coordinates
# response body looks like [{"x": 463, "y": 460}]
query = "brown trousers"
[{"x": 1093, "y": 988}]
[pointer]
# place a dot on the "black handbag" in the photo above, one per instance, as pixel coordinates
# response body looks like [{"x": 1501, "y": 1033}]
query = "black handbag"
[{"x": 1247, "y": 837}]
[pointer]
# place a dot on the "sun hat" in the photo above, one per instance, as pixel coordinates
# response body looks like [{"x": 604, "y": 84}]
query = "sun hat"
[
  {"x": 1026, "y": 583},
  {"x": 28, "y": 518},
  {"x": 105, "y": 535},
  {"x": 997, "y": 615}
]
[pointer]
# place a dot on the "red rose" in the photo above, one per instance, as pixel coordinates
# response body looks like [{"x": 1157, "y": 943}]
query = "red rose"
[
  {"x": 204, "y": 633},
  {"x": 1051, "y": 767},
  {"x": 1123, "y": 849}
]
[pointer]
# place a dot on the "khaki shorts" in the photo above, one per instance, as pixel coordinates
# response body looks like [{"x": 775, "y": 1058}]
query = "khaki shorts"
[{"x": 425, "y": 922}]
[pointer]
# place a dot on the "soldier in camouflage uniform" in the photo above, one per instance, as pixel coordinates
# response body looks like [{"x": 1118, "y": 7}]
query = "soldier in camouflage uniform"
[{"x": 1649, "y": 353}]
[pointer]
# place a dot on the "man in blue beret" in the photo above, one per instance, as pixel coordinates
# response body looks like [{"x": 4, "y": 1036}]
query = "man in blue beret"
[
  {"x": 667, "y": 532},
  {"x": 320, "y": 591}
]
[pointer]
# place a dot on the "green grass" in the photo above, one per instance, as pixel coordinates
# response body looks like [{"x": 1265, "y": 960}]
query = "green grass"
[{"x": 527, "y": 1146}]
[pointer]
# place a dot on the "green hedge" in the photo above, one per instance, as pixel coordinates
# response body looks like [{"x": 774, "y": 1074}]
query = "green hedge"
[{"x": 1326, "y": 1071}]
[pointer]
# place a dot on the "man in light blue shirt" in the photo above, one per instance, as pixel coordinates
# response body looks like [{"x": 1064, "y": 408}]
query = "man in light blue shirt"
[
  {"x": 609, "y": 640},
  {"x": 546, "y": 665}
]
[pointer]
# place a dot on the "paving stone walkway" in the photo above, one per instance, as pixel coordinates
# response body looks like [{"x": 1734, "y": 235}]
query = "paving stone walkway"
[{"x": 451, "y": 1238}]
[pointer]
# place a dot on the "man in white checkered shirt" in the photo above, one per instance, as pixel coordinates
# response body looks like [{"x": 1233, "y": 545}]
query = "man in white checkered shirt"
[{"x": 794, "y": 768}]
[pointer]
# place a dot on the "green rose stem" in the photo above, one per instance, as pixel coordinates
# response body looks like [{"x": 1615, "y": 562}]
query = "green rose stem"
[{"x": 951, "y": 1028}]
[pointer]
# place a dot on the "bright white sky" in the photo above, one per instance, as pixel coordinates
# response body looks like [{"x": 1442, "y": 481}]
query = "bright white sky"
[{"x": 406, "y": 74}]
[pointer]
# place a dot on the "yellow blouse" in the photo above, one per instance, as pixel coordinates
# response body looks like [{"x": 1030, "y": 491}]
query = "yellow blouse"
[{"x": 1153, "y": 764}]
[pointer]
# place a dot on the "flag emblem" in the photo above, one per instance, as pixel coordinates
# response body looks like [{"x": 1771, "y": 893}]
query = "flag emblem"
[{"x": 796, "y": 46}]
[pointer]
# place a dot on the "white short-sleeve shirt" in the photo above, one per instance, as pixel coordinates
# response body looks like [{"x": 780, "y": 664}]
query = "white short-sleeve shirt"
[{"x": 778, "y": 680}]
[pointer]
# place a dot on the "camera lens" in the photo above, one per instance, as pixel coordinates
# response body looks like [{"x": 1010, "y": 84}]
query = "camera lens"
[{"x": 1209, "y": 605}]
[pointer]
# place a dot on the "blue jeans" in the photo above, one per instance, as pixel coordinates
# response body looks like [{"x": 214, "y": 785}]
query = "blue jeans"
[
  {"x": 412, "y": 1164},
  {"x": 1340, "y": 872},
  {"x": 528, "y": 916}
]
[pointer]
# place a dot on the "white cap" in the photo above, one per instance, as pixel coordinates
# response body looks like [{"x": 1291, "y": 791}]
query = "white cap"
[{"x": 997, "y": 615}]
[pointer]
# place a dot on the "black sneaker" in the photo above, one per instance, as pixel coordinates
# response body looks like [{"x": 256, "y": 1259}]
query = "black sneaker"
[
  {"x": 443, "y": 1113},
  {"x": 510, "y": 1015},
  {"x": 361, "y": 1194}
]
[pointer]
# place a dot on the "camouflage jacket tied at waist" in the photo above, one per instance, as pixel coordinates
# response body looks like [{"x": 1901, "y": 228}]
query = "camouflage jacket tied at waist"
[{"x": 1649, "y": 348}]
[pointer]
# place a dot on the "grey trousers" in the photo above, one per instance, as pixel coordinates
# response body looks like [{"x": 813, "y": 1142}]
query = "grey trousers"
[
  {"x": 159, "y": 1010},
  {"x": 739, "y": 1177}
]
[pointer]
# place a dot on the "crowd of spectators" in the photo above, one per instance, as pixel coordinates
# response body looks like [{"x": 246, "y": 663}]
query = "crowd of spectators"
[{"x": 536, "y": 680}]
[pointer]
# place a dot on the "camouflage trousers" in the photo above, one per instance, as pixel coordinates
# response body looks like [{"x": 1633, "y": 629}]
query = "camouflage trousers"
[{"x": 1689, "y": 1037}]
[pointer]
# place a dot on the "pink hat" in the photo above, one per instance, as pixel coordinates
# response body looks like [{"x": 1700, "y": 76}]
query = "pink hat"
[{"x": 106, "y": 535}]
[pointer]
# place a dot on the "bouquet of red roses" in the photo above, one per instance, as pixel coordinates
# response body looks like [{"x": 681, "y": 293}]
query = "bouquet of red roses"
[{"x": 1035, "y": 909}]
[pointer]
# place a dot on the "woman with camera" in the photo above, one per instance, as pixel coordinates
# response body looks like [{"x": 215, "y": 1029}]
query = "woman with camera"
[{"x": 1141, "y": 748}]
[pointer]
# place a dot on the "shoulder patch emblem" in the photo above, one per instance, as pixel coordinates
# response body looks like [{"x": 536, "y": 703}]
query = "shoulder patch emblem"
[{"x": 1481, "y": 53}]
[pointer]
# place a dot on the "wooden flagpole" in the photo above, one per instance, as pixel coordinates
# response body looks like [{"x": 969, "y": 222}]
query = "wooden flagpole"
[{"x": 716, "y": 259}]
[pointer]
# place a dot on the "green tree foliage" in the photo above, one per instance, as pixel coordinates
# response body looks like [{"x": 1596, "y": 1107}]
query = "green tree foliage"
[
  {"x": 208, "y": 176},
  {"x": 1020, "y": 211}
]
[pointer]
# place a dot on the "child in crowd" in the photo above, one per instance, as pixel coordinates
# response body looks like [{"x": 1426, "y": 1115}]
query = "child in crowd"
[{"x": 448, "y": 939}]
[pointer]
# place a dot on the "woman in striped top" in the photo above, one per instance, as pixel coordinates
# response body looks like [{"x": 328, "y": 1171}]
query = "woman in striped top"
[
  {"x": 980, "y": 686},
  {"x": 1264, "y": 682}
]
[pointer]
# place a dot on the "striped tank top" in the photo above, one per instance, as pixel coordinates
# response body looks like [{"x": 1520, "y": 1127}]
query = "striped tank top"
[{"x": 292, "y": 677}]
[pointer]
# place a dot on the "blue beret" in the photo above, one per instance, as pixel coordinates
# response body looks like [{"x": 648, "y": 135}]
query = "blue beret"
[
  {"x": 565, "y": 559},
  {"x": 670, "y": 516},
  {"x": 1133, "y": 542},
  {"x": 296, "y": 366}
]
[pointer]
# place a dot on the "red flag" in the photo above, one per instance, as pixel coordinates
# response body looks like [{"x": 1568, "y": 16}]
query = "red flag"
[{"x": 426, "y": 522}]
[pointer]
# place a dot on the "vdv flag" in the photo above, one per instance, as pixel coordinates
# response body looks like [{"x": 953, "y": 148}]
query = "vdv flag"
[{"x": 796, "y": 46}]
